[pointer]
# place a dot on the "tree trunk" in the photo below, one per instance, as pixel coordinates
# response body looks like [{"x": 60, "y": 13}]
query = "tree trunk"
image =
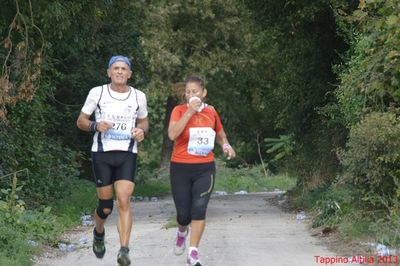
[{"x": 166, "y": 149}]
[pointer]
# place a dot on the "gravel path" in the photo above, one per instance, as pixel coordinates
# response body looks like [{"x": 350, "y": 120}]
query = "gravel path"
[{"x": 242, "y": 230}]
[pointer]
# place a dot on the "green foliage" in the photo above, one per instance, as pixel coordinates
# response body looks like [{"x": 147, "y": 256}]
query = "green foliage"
[
  {"x": 14, "y": 248},
  {"x": 82, "y": 199},
  {"x": 39, "y": 226},
  {"x": 387, "y": 230},
  {"x": 22, "y": 230},
  {"x": 149, "y": 150},
  {"x": 335, "y": 206},
  {"x": 51, "y": 167},
  {"x": 280, "y": 92},
  {"x": 281, "y": 146},
  {"x": 305, "y": 199},
  {"x": 332, "y": 205},
  {"x": 10, "y": 203},
  {"x": 357, "y": 224},
  {"x": 152, "y": 187},
  {"x": 192, "y": 37},
  {"x": 371, "y": 80},
  {"x": 366, "y": 97},
  {"x": 372, "y": 157},
  {"x": 23, "y": 233}
]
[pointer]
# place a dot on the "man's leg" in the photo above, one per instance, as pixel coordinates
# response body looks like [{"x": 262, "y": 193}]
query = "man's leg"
[
  {"x": 105, "y": 206},
  {"x": 104, "y": 194},
  {"x": 123, "y": 191}
]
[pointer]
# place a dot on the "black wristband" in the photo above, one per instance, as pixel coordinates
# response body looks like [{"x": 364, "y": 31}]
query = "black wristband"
[{"x": 92, "y": 126}]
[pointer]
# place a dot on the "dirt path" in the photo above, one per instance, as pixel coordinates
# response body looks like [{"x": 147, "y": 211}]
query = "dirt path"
[{"x": 242, "y": 230}]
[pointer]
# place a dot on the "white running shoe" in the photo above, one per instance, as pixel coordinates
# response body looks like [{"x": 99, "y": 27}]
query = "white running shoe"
[
  {"x": 193, "y": 259},
  {"x": 180, "y": 243}
]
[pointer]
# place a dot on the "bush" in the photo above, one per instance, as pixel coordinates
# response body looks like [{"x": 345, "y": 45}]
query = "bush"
[
  {"x": 26, "y": 143},
  {"x": 24, "y": 232},
  {"x": 372, "y": 157},
  {"x": 332, "y": 205},
  {"x": 387, "y": 231},
  {"x": 14, "y": 247}
]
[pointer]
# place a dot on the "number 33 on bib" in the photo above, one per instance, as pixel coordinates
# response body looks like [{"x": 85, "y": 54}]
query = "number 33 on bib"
[{"x": 201, "y": 141}]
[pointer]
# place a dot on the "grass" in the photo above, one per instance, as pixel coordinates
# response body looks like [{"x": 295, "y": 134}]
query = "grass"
[
  {"x": 24, "y": 232},
  {"x": 83, "y": 199},
  {"x": 354, "y": 224},
  {"x": 250, "y": 179},
  {"x": 152, "y": 187}
]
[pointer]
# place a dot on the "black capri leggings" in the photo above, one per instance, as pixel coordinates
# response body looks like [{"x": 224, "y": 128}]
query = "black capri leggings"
[{"x": 191, "y": 186}]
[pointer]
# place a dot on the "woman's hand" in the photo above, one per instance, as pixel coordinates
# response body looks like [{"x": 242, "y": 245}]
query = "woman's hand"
[
  {"x": 229, "y": 152},
  {"x": 195, "y": 104}
]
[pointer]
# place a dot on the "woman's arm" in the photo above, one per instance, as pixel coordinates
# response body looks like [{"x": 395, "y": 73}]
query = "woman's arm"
[{"x": 176, "y": 128}]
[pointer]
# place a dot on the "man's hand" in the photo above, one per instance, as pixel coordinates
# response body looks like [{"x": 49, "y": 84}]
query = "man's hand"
[
  {"x": 137, "y": 134},
  {"x": 103, "y": 126}
]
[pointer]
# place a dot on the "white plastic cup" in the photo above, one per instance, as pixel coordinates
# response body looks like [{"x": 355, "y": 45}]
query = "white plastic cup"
[{"x": 197, "y": 98}]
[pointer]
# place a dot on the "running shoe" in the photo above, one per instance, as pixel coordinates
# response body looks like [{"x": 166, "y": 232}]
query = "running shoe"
[
  {"x": 193, "y": 259},
  {"x": 123, "y": 257},
  {"x": 180, "y": 243},
  {"x": 99, "y": 248}
]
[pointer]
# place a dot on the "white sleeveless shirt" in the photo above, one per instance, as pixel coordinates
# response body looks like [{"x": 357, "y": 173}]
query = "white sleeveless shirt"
[{"x": 120, "y": 109}]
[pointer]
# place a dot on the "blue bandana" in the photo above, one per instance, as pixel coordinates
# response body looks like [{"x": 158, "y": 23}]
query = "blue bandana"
[{"x": 119, "y": 58}]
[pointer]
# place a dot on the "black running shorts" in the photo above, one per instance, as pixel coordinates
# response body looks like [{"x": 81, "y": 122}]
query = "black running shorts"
[{"x": 111, "y": 166}]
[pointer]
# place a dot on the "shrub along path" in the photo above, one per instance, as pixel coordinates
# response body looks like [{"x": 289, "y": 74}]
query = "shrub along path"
[{"x": 242, "y": 230}]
